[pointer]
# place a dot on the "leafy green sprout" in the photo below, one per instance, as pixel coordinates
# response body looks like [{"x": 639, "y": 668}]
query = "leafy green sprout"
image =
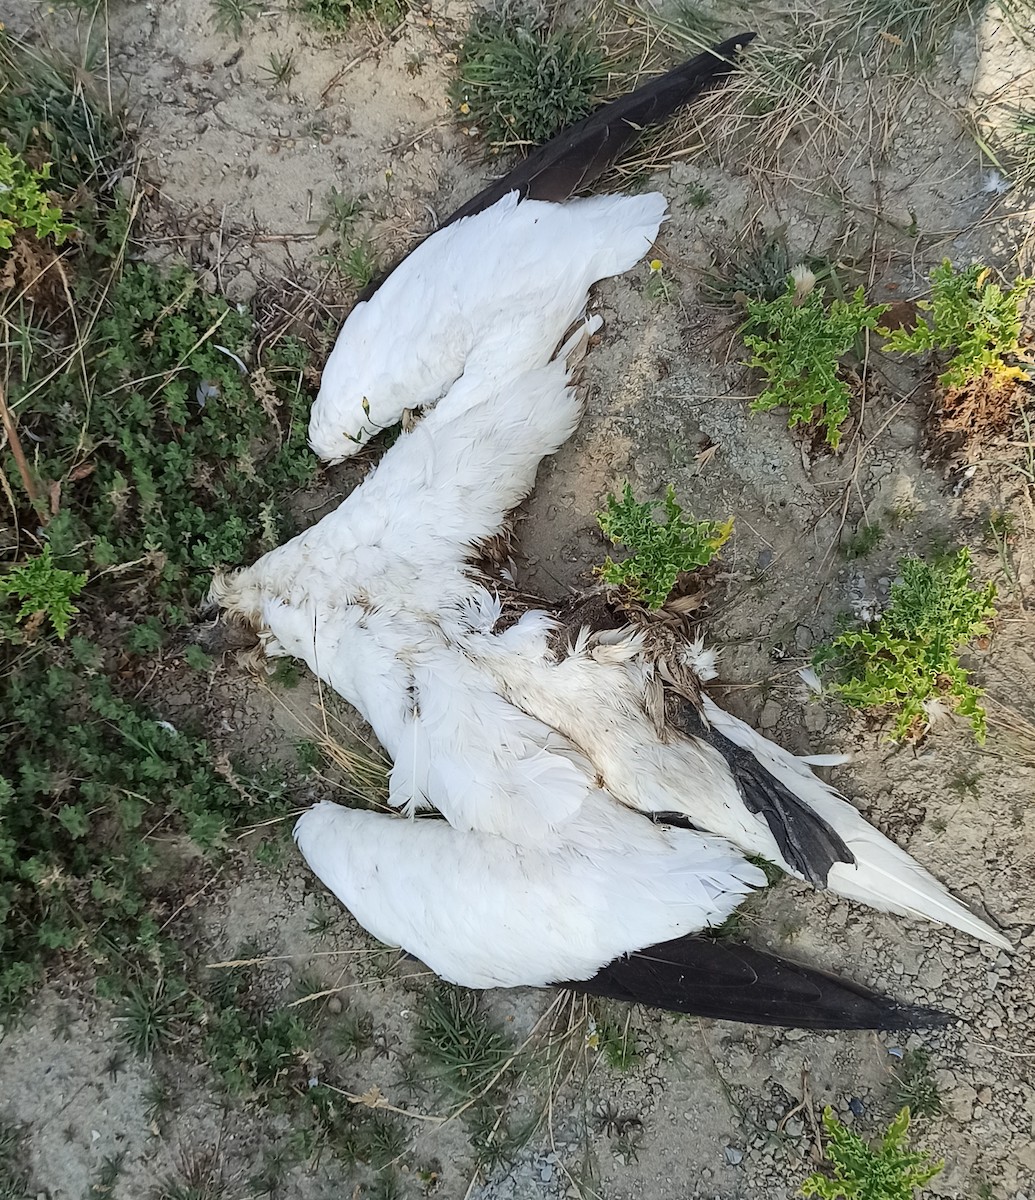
[
  {"x": 661, "y": 550},
  {"x": 659, "y": 288},
  {"x": 25, "y": 203},
  {"x": 973, "y": 319},
  {"x": 887, "y": 1171},
  {"x": 44, "y": 587},
  {"x": 229, "y": 16},
  {"x": 908, "y": 660},
  {"x": 798, "y": 342}
]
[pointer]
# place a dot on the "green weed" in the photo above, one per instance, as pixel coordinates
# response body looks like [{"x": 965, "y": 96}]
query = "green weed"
[
  {"x": 254, "y": 1054},
  {"x": 697, "y": 195},
  {"x": 280, "y": 69},
  {"x": 45, "y": 590},
  {"x": 908, "y": 660},
  {"x": 520, "y": 79},
  {"x": 662, "y": 550},
  {"x": 85, "y": 777},
  {"x": 864, "y": 541},
  {"x": 611, "y": 1032},
  {"x": 353, "y": 1033},
  {"x": 150, "y": 1016},
  {"x": 659, "y": 289},
  {"x": 914, "y": 1087},
  {"x": 229, "y": 16},
  {"x": 24, "y": 202},
  {"x": 798, "y": 343},
  {"x": 464, "y": 1054},
  {"x": 973, "y": 319},
  {"x": 861, "y": 1172},
  {"x": 336, "y": 16}
]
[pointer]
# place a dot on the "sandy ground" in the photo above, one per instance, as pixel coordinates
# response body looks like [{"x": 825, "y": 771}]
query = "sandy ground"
[{"x": 243, "y": 170}]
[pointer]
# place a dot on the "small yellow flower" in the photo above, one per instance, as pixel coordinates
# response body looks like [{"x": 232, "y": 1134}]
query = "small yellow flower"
[
  {"x": 465, "y": 108},
  {"x": 655, "y": 264}
]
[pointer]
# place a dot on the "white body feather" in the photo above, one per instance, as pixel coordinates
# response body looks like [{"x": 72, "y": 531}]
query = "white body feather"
[
  {"x": 492, "y": 294},
  {"x": 482, "y": 912}
]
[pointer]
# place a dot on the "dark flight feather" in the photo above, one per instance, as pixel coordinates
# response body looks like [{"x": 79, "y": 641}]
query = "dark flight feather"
[
  {"x": 705, "y": 977},
  {"x": 806, "y": 841},
  {"x": 571, "y": 160}
]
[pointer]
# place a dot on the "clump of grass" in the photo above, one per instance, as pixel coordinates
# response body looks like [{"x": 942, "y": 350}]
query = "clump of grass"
[
  {"x": 914, "y": 31},
  {"x": 230, "y": 16},
  {"x": 864, "y": 541},
  {"x": 521, "y": 79},
  {"x": 907, "y": 661},
  {"x": 280, "y": 69},
  {"x": 45, "y": 591},
  {"x": 150, "y": 1015},
  {"x": 661, "y": 550},
  {"x": 858, "y": 1171},
  {"x": 336, "y": 16},
  {"x": 973, "y": 324},
  {"x": 464, "y": 1053},
  {"x": 15, "y": 1181},
  {"x": 613, "y": 1035},
  {"x": 798, "y": 342},
  {"x": 914, "y": 1087}
]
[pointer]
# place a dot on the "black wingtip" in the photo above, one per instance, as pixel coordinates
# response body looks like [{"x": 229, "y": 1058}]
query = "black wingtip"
[{"x": 726, "y": 982}]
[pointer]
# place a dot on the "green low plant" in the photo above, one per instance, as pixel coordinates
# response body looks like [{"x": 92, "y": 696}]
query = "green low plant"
[
  {"x": 859, "y": 1171},
  {"x": 798, "y": 341},
  {"x": 24, "y": 202},
  {"x": 662, "y": 550},
  {"x": 908, "y": 660},
  {"x": 172, "y": 458},
  {"x": 915, "y": 1087},
  {"x": 84, "y": 777},
  {"x": 975, "y": 320},
  {"x": 521, "y": 79},
  {"x": 463, "y": 1052},
  {"x": 44, "y": 588},
  {"x": 336, "y": 16}
]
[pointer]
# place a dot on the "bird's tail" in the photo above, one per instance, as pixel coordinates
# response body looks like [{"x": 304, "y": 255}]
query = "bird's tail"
[
  {"x": 709, "y": 978},
  {"x": 882, "y": 875},
  {"x": 569, "y": 162}
]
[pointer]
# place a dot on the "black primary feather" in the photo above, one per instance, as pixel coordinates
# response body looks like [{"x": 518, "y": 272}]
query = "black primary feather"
[
  {"x": 572, "y": 159},
  {"x": 806, "y": 841},
  {"x": 724, "y": 982}
]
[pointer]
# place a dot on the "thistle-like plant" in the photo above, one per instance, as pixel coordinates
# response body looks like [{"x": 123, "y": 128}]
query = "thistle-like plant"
[
  {"x": 798, "y": 342},
  {"x": 887, "y": 1171},
  {"x": 908, "y": 660},
  {"x": 662, "y": 550},
  {"x": 43, "y": 587},
  {"x": 975, "y": 319}
]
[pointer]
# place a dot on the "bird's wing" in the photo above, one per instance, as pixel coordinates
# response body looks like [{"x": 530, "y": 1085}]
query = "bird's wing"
[
  {"x": 484, "y": 912},
  {"x": 572, "y": 160},
  {"x": 714, "y": 978}
]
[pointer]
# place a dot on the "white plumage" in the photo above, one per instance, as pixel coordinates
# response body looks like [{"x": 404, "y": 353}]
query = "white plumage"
[
  {"x": 492, "y": 295},
  {"x": 536, "y": 757},
  {"x": 483, "y": 912}
]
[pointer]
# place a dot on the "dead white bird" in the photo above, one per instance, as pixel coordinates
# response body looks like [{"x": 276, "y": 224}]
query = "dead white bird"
[{"x": 491, "y": 295}]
